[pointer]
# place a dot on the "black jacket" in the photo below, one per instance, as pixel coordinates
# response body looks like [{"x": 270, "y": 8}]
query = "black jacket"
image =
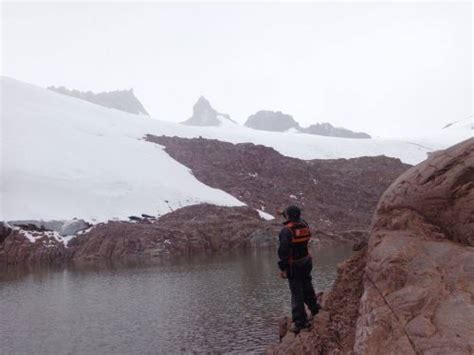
[{"x": 285, "y": 249}]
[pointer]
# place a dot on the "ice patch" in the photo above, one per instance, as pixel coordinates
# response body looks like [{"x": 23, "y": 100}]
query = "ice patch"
[
  {"x": 264, "y": 215},
  {"x": 34, "y": 236}
]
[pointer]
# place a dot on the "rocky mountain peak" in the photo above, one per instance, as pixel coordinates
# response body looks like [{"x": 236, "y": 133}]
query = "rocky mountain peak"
[
  {"x": 276, "y": 121},
  {"x": 327, "y": 129},
  {"x": 280, "y": 122},
  {"x": 123, "y": 100},
  {"x": 205, "y": 115}
]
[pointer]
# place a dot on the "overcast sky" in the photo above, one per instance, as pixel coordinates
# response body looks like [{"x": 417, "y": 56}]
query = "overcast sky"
[{"x": 391, "y": 69}]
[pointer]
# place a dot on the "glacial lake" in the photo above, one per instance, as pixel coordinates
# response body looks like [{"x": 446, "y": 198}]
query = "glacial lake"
[{"x": 226, "y": 303}]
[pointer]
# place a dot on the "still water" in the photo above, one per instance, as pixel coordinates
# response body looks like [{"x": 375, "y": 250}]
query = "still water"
[{"x": 228, "y": 303}]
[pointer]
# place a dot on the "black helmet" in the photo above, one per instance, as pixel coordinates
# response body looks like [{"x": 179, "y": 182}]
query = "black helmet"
[{"x": 292, "y": 213}]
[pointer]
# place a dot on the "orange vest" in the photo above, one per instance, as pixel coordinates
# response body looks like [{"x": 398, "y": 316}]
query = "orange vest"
[{"x": 300, "y": 231}]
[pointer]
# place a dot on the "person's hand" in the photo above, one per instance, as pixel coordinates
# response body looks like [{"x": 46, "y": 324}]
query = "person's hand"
[{"x": 283, "y": 274}]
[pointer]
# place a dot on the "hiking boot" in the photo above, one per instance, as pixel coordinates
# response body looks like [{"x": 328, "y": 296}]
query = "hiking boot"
[
  {"x": 296, "y": 328},
  {"x": 311, "y": 317}
]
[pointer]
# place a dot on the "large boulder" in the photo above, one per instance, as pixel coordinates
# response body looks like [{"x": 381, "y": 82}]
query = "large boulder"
[{"x": 419, "y": 279}]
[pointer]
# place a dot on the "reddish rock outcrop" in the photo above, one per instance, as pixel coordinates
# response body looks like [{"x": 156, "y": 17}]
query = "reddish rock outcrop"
[
  {"x": 419, "y": 279},
  {"x": 415, "y": 287},
  {"x": 190, "y": 230},
  {"x": 16, "y": 248},
  {"x": 335, "y": 195},
  {"x": 195, "y": 229}
]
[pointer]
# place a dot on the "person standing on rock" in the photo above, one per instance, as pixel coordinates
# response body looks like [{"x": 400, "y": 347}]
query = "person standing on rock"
[{"x": 295, "y": 265}]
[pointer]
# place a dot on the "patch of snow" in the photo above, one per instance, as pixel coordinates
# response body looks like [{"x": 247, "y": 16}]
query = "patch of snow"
[
  {"x": 293, "y": 197},
  {"x": 85, "y": 231},
  {"x": 33, "y": 236},
  {"x": 29, "y": 235},
  {"x": 468, "y": 123},
  {"x": 67, "y": 239},
  {"x": 65, "y": 158},
  {"x": 292, "y": 130},
  {"x": 253, "y": 174},
  {"x": 225, "y": 122},
  {"x": 264, "y": 215}
]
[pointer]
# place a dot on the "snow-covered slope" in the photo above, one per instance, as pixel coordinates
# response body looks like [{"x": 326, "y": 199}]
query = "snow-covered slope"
[
  {"x": 63, "y": 157},
  {"x": 466, "y": 123}
]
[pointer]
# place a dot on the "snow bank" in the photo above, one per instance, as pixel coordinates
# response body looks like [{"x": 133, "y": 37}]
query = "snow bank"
[
  {"x": 264, "y": 215},
  {"x": 64, "y": 158}
]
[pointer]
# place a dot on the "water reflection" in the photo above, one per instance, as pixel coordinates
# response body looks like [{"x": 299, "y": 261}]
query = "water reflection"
[{"x": 228, "y": 303}]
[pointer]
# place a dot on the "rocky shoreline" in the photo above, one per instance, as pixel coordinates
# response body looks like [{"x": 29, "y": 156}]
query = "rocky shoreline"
[
  {"x": 191, "y": 230},
  {"x": 410, "y": 290}
]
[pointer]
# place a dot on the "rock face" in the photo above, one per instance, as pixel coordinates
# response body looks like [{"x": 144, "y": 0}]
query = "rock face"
[
  {"x": 271, "y": 121},
  {"x": 200, "y": 228},
  {"x": 205, "y": 115},
  {"x": 124, "y": 100},
  {"x": 5, "y": 231},
  {"x": 326, "y": 129},
  {"x": 194, "y": 229},
  {"x": 15, "y": 248},
  {"x": 335, "y": 195},
  {"x": 417, "y": 281}
]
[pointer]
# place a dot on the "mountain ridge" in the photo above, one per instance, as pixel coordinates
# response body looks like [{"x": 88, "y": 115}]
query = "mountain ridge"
[{"x": 123, "y": 100}]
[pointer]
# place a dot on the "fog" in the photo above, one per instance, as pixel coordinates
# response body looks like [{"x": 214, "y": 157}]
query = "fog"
[{"x": 390, "y": 69}]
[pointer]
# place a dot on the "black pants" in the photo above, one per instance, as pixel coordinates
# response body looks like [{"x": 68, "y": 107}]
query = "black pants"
[{"x": 302, "y": 291}]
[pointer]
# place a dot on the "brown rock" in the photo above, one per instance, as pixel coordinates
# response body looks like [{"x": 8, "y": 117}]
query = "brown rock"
[
  {"x": 190, "y": 230},
  {"x": 5, "y": 231},
  {"x": 413, "y": 292},
  {"x": 194, "y": 229},
  {"x": 335, "y": 194},
  {"x": 419, "y": 280},
  {"x": 17, "y": 249}
]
